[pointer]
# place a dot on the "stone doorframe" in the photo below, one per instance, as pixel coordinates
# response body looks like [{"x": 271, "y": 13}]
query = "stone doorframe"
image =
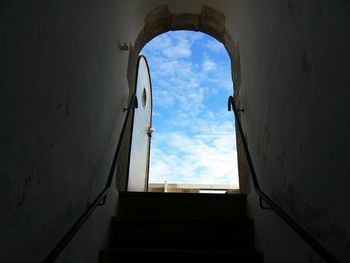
[{"x": 208, "y": 21}]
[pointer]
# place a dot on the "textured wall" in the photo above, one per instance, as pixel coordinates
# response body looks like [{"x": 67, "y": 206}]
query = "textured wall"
[
  {"x": 62, "y": 89},
  {"x": 295, "y": 90}
]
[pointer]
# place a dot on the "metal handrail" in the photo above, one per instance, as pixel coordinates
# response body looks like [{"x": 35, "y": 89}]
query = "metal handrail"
[
  {"x": 100, "y": 199},
  {"x": 313, "y": 243}
]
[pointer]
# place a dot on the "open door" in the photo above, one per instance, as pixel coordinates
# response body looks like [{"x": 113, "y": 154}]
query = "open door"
[{"x": 141, "y": 130}]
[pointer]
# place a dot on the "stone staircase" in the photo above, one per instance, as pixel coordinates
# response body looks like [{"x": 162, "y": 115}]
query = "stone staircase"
[{"x": 178, "y": 227}]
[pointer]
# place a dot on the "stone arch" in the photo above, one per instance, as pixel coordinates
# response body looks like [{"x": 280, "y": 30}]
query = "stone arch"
[{"x": 208, "y": 21}]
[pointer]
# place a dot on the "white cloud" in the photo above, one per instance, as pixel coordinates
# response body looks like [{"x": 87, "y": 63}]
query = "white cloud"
[
  {"x": 209, "y": 156},
  {"x": 202, "y": 164},
  {"x": 156, "y": 114},
  {"x": 161, "y": 42},
  {"x": 208, "y": 65},
  {"x": 179, "y": 48},
  {"x": 214, "y": 46},
  {"x": 164, "y": 98},
  {"x": 196, "y": 144}
]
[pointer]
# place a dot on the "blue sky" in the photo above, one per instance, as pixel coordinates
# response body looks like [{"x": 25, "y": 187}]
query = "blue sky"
[{"x": 194, "y": 138}]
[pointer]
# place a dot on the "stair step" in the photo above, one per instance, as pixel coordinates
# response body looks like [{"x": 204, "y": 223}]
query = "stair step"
[
  {"x": 182, "y": 233},
  {"x": 182, "y": 205},
  {"x": 181, "y": 227},
  {"x": 183, "y": 256}
]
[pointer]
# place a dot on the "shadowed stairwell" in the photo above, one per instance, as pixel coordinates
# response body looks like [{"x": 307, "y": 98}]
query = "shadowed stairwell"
[{"x": 67, "y": 95}]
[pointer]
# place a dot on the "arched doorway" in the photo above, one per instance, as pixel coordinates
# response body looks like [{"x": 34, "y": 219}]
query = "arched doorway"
[
  {"x": 193, "y": 148},
  {"x": 208, "y": 21}
]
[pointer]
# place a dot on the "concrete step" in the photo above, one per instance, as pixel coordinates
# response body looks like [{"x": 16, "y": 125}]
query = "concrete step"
[
  {"x": 182, "y": 205},
  {"x": 181, "y": 227},
  {"x": 182, "y": 233},
  {"x": 183, "y": 256}
]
